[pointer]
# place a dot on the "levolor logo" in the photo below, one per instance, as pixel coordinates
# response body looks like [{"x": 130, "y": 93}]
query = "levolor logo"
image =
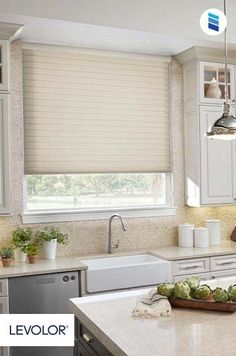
[
  {"x": 36, "y": 330},
  {"x": 213, "y": 22}
]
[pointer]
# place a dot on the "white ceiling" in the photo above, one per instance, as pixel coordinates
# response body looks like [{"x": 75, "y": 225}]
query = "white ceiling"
[{"x": 148, "y": 26}]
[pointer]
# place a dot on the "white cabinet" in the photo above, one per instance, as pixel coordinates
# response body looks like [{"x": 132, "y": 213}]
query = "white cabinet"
[
  {"x": 216, "y": 162},
  {"x": 215, "y": 72},
  {"x": 201, "y": 276},
  {"x": 221, "y": 263},
  {"x": 205, "y": 268},
  {"x": 4, "y": 156},
  {"x": 210, "y": 174},
  {"x": 210, "y": 165},
  {"x": 4, "y": 308},
  {"x": 190, "y": 266}
]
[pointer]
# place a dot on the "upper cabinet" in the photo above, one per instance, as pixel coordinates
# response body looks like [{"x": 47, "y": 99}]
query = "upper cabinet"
[
  {"x": 210, "y": 165},
  {"x": 212, "y": 82},
  {"x": 4, "y": 65}
]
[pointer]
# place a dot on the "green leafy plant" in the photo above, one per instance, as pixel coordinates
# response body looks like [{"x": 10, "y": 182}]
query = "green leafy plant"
[
  {"x": 31, "y": 249},
  {"x": 20, "y": 237},
  {"x": 6, "y": 252},
  {"x": 52, "y": 233}
]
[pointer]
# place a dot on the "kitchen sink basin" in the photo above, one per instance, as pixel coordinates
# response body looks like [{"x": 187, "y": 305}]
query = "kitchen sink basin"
[{"x": 124, "y": 272}]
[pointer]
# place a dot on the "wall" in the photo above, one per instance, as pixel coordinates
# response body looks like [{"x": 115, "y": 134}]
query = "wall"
[{"x": 89, "y": 237}]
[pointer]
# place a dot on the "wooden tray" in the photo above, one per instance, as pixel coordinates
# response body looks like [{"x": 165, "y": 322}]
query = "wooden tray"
[{"x": 203, "y": 304}]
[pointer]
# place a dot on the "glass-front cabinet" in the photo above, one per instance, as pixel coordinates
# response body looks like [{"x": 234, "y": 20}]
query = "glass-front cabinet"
[
  {"x": 212, "y": 82},
  {"x": 4, "y": 65}
]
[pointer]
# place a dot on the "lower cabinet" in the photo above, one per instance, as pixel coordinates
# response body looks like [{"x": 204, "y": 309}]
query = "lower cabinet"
[
  {"x": 4, "y": 351},
  {"x": 202, "y": 277},
  {"x": 88, "y": 344},
  {"x": 210, "y": 267}
]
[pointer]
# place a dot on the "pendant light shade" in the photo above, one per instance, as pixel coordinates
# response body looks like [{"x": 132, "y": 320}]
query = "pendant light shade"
[{"x": 225, "y": 127}]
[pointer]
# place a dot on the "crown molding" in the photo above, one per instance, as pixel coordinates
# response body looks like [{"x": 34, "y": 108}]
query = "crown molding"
[{"x": 205, "y": 54}]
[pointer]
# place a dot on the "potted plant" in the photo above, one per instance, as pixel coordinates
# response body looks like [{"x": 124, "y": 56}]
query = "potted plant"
[
  {"x": 6, "y": 256},
  {"x": 32, "y": 251},
  {"x": 20, "y": 237},
  {"x": 50, "y": 236}
]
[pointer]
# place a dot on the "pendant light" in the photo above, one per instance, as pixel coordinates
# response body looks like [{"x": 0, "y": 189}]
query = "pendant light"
[{"x": 225, "y": 127}]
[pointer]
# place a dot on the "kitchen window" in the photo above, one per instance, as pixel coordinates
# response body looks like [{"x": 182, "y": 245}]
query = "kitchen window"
[{"x": 96, "y": 131}]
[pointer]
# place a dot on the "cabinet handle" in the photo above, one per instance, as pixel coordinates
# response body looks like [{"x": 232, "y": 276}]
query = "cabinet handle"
[
  {"x": 87, "y": 338},
  {"x": 225, "y": 263},
  {"x": 190, "y": 267}
]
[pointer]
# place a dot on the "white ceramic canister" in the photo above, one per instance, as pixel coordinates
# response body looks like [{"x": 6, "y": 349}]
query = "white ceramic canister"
[
  {"x": 185, "y": 235},
  {"x": 214, "y": 228},
  {"x": 201, "y": 237}
]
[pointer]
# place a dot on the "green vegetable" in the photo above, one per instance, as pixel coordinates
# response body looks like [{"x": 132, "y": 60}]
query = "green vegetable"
[
  {"x": 182, "y": 290},
  {"x": 193, "y": 282},
  {"x": 220, "y": 295},
  {"x": 166, "y": 289},
  {"x": 232, "y": 293},
  {"x": 203, "y": 292}
]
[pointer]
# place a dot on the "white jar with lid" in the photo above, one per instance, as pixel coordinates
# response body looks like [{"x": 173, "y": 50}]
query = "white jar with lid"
[
  {"x": 185, "y": 235},
  {"x": 201, "y": 237},
  {"x": 213, "y": 226}
]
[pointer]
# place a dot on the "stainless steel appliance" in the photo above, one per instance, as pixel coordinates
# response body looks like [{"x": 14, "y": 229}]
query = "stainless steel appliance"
[{"x": 42, "y": 294}]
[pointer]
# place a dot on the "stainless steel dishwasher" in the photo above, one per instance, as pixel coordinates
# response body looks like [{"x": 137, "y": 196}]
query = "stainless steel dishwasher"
[{"x": 43, "y": 294}]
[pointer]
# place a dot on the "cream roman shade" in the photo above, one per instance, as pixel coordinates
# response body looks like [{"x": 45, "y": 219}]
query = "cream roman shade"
[{"x": 88, "y": 111}]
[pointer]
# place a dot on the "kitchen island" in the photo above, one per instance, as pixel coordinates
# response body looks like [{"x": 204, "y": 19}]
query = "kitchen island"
[{"x": 108, "y": 318}]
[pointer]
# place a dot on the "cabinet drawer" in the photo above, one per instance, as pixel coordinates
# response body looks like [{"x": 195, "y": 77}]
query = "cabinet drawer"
[
  {"x": 225, "y": 273},
  {"x": 90, "y": 343},
  {"x": 191, "y": 266},
  {"x": 3, "y": 287},
  {"x": 220, "y": 263},
  {"x": 202, "y": 276}
]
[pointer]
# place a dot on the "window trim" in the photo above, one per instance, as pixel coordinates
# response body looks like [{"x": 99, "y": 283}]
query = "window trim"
[{"x": 98, "y": 214}]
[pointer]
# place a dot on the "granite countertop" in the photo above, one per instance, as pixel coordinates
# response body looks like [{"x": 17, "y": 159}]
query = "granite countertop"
[
  {"x": 172, "y": 253},
  {"x": 186, "y": 332},
  {"x": 61, "y": 264}
]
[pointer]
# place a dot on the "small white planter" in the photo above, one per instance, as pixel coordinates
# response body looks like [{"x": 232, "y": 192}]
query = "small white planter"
[
  {"x": 49, "y": 249},
  {"x": 19, "y": 255}
]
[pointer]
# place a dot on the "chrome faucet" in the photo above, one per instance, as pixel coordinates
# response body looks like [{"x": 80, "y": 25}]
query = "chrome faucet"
[{"x": 112, "y": 246}]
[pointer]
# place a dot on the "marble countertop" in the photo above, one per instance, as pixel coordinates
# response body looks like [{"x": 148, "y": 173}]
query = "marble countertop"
[
  {"x": 186, "y": 332},
  {"x": 172, "y": 253},
  {"x": 61, "y": 264}
]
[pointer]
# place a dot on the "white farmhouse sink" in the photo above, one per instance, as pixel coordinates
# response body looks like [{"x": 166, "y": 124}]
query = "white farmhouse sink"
[{"x": 112, "y": 273}]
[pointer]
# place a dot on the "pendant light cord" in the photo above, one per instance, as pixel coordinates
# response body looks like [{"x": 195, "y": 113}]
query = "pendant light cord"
[{"x": 226, "y": 55}]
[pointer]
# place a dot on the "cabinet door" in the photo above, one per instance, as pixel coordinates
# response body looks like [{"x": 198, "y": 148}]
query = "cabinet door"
[
  {"x": 212, "y": 82},
  {"x": 216, "y": 162},
  {"x": 202, "y": 277},
  {"x": 4, "y": 351},
  {"x": 4, "y": 156}
]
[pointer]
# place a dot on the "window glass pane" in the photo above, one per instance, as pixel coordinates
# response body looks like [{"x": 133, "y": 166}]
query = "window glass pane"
[{"x": 88, "y": 191}]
